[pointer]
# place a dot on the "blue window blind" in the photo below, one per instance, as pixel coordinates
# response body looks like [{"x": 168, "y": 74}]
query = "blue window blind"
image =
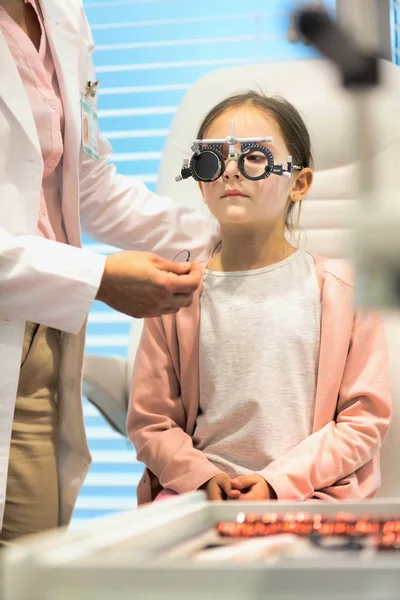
[
  {"x": 148, "y": 53},
  {"x": 395, "y": 23}
]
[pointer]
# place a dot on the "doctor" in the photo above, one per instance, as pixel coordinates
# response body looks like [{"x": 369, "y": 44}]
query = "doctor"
[{"x": 53, "y": 180}]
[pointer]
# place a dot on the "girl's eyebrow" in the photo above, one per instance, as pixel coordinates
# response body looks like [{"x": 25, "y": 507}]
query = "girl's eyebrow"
[{"x": 268, "y": 144}]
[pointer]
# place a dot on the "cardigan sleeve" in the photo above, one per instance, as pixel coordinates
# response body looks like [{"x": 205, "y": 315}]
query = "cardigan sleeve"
[
  {"x": 346, "y": 444},
  {"x": 157, "y": 419}
]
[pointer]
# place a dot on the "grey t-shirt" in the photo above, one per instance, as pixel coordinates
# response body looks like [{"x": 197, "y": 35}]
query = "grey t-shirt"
[{"x": 259, "y": 350}]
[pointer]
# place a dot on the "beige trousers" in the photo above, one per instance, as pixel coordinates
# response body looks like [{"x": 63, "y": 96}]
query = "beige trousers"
[{"x": 32, "y": 486}]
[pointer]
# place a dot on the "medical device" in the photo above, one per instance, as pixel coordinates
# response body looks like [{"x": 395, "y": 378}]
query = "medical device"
[
  {"x": 255, "y": 161},
  {"x": 376, "y": 240}
]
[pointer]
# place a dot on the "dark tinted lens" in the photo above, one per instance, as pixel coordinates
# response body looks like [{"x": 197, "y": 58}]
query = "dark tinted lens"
[{"x": 207, "y": 166}]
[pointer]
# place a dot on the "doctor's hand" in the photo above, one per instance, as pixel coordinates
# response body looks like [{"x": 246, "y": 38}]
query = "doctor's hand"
[
  {"x": 253, "y": 487},
  {"x": 219, "y": 488},
  {"x": 142, "y": 284}
]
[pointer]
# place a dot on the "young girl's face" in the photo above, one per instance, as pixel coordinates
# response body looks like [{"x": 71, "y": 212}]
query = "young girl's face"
[{"x": 232, "y": 198}]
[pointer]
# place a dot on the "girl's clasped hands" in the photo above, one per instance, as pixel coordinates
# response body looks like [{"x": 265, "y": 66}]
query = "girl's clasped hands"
[{"x": 245, "y": 487}]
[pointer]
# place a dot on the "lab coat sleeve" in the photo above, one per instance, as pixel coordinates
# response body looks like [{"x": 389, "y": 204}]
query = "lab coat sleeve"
[
  {"x": 47, "y": 282},
  {"x": 343, "y": 447},
  {"x": 156, "y": 417},
  {"x": 122, "y": 212}
]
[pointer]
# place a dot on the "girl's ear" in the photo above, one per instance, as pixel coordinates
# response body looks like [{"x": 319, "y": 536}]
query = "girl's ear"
[{"x": 301, "y": 185}]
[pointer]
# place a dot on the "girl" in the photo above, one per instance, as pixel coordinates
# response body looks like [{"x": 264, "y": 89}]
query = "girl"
[{"x": 270, "y": 385}]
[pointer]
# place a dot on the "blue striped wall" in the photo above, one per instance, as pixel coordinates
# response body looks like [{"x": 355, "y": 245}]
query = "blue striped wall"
[{"x": 148, "y": 53}]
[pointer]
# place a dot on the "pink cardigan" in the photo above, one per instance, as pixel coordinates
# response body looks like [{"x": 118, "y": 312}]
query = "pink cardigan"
[{"x": 338, "y": 461}]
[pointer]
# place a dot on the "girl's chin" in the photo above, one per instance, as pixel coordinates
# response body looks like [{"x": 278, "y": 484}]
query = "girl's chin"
[{"x": 234, "y": 214}]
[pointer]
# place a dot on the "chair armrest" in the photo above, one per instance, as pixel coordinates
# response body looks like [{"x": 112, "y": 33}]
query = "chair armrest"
[{"x": 104, "y": 385}]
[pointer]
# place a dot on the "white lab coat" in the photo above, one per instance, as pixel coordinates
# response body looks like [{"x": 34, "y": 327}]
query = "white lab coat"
[{"x": 52, "y": 283}]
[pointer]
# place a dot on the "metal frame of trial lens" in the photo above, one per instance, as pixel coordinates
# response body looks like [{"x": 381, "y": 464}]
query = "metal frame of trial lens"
[{"x": 201, "y": 146}]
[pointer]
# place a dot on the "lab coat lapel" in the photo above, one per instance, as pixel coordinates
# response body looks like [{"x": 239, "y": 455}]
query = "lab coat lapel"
[
  {"x": 12, "y": 93},
  {"x": 65, "y": 45}
]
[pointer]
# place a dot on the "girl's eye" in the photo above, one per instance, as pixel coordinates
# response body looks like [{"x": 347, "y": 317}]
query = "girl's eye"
[
  {"x": 255, "y": 164},
  {"x": 256, "y": 157}
]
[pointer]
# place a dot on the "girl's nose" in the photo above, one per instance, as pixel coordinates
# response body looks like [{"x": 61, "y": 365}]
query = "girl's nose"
[{"x": 231, "y": 170}]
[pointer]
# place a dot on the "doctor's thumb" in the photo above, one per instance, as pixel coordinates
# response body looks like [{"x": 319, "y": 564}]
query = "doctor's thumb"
[{"x": 174, "y": 267}]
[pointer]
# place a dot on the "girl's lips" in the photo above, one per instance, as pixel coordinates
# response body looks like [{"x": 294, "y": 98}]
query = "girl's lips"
[{"x": 232, "y": 193}]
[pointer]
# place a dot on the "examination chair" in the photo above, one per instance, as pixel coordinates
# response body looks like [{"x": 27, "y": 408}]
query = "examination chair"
[{"x": 327, "y": 216}]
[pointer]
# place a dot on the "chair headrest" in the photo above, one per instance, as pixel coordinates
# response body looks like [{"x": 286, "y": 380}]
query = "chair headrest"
[{"x": 313, "y": 86}]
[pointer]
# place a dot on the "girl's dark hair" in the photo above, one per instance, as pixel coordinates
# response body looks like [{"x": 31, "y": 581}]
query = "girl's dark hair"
[{"x": 286, "y": 116}]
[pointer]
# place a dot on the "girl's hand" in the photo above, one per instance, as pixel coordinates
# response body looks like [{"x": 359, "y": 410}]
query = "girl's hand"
[
  {"x": 219, "y": 488},
  {"x": 253, "y": 487}
]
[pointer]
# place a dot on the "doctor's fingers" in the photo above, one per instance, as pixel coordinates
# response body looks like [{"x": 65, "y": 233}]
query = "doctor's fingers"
[
  {"x": 180, "y": 284},
  {"x": 181, "y": 301},
  {"x": 171, "y": 266},
  {"x": 167, "y": 303}
]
